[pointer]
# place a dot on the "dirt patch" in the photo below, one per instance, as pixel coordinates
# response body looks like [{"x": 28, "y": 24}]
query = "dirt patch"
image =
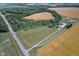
[{"x": 40, "y": 16}]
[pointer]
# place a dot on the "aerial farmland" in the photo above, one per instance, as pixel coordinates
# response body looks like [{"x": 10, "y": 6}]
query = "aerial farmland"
[
  {"x": 68, "y": 11},
  {"x": 39, "y": 29},
  {"x": 64, "y": 44}
]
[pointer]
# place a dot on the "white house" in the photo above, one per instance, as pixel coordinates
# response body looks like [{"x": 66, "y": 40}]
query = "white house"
[{"x": 62, "y": 25}]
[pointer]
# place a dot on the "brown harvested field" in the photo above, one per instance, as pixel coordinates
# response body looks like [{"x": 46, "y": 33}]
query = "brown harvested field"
[
  {"x": 65, "y": 44},
  {"x": 40, "y": 16},
  {"x": 68, "y": 11}
]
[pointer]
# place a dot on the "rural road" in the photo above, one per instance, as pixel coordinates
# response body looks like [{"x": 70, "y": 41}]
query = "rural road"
[
  {"x": 48, "y": 38},
  {"x": 14, "y": 35}
]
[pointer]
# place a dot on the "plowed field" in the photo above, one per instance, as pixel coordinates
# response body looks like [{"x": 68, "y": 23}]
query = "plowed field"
[
  {"x": 69, "y": 11},
  {"x": 65, "y": 44},
  {"x": 40, "y": 16}
]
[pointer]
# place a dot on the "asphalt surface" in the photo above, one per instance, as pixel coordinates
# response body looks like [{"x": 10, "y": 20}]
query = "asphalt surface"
[{"x": 24, "y": 51}]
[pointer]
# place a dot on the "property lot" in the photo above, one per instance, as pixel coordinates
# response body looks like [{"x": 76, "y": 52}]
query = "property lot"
[
  {"x": 8, "y": 46},
  {"x": 33, "y": 29},
  {"x": 33, "y": 36}
]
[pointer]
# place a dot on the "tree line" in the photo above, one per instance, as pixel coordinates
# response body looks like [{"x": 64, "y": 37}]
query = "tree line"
[
  {"x": 19, "y": 23},
  {"x": 3, "y": 27}
]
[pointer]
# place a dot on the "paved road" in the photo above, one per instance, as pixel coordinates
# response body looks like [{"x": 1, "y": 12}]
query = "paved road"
[{"x": 14, "y": 35}]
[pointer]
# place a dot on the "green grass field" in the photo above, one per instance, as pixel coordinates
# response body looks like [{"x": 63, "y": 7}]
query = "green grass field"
[
  {"x": 8, "y": 46},
  {"x": 33, "y": 36}
]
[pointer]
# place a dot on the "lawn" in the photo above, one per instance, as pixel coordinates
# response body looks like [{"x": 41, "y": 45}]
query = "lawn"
[
  {"x": 8, "y": 46},
  {"x": 33, "y": 36}
]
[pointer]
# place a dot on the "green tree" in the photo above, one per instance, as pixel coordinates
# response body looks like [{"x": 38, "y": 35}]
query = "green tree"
[{"x": 57, "y": 17}]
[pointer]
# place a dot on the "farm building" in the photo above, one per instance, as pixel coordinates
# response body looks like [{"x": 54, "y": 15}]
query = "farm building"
[{"x": 61, "y": 25}]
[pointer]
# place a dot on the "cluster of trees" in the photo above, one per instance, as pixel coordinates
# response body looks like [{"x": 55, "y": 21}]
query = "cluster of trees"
[
  {"x": 3, "y": 27},
  {"x": 70, "y": 23},
  {"x": 19, "y": 23},
  {"x": 57, "y": 17}
]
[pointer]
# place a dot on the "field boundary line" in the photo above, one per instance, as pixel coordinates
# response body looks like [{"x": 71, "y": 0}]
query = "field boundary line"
[
  {"x": 52, "y": 38},
  {"x": 16, "y": 38},
  {"x": 44, "y": 39},
  {"x": 4, "y": 42}
]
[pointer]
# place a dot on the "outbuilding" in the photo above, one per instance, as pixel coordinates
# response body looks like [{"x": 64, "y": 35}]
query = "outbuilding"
[{"x": 61, "y": 25}]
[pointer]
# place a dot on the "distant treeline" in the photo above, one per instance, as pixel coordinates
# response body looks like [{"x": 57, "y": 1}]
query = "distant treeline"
[
  {"x": 25, "y": 11},
  {"x": 64, "y": 4}
]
